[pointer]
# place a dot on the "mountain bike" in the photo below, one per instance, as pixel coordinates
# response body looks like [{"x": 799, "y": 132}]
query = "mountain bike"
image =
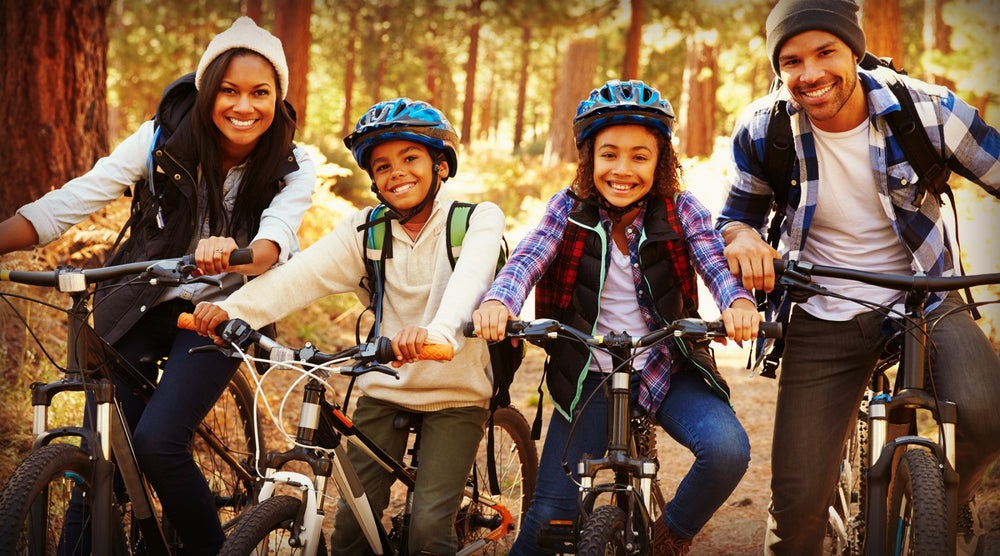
[
  {"x": 897, "y": 491},
  {"x": 283, "y": 523},
  {"x": 616, "y": 517},
  {"x": 121, "y": 514}
]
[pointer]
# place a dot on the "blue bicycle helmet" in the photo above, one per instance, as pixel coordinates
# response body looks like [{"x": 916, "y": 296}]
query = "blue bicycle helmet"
[
  {"x": 622, "y": 102},
  {"x": 402, "y": 118}
]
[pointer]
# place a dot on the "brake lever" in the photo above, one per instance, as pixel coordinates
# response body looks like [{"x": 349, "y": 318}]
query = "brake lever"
[
  {"x": 359, "y": 369},
  {"x": 210, "y": 280},
  {"x": 212, "y": 348}
]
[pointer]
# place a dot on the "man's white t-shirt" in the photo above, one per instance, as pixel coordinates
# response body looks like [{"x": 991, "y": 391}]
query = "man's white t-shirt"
[{"x": 850, "y": 227}]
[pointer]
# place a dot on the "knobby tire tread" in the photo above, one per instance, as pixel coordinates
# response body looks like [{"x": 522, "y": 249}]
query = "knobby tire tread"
[
  {"x": 918, "y": 479},
  {"x": 603, "y": 532}
]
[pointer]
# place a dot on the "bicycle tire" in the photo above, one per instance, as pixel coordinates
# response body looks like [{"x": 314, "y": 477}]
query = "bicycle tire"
[
  {"x": 517, "y": 467},
  {"x": 266, "y": 529},
  {"x": 917, "y": 524},
  {"x": 35, "y": 499},
  {"x": 230, "y": 427},
  {"x": 603, "y": 533}
]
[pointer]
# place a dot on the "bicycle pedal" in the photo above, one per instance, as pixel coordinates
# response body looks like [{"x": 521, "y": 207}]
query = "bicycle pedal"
[{"x": 557, "y": 536}]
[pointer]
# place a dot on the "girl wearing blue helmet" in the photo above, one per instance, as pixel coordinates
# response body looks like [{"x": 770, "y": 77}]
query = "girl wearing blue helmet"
[
  {"x": 583, "y": 260},
  {"x": 409, "y": 149}
]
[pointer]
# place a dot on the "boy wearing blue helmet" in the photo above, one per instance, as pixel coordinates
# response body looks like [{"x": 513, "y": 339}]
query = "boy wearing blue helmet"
[
  {"x": 409, "y": 149},
  {"x": 627, "y": 190}
]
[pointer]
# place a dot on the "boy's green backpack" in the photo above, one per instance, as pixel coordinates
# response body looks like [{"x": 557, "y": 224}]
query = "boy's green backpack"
[{"x": 505, "y": 358}]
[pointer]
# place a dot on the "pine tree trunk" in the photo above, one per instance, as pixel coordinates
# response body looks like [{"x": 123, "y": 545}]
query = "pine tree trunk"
[
  {"x": 53, "y": 84},
  {"x": 574, "y": 85},
  {"x": 291, "y": 25}
]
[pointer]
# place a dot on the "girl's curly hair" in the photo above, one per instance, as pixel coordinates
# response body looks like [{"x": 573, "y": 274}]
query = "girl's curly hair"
[{"x": 666, "y": 177}]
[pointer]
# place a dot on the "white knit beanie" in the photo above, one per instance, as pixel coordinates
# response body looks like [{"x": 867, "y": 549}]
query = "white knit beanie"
[{"x": 244, "y": 33}]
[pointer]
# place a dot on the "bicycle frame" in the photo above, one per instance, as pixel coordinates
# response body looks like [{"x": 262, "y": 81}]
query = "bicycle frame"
[
  {"x": 108, "y": 437},
  {"x": 882, "y": 448},
  {"x": 320, "y": 443},
  {"x": 629, "y": 472},
  {"x": 90, "y": 364},
  {"x": 884, "y": 411}
]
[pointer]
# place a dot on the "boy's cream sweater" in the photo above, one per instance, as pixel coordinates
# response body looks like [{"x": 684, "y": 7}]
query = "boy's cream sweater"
[{"x": 420, "y": 290}]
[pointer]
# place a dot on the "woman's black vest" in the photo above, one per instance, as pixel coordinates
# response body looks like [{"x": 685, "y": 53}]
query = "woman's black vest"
[{"x": 163, "y": 214}]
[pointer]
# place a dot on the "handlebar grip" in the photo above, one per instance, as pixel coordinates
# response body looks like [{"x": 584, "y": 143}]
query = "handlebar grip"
[
  {"x": 437, "y": 352},
  {"x": 780, "y": 266},
  {"x": 185, "y": 321},
  {"x": 241, "y": 256},
  {"x": 770, "y": 330}
]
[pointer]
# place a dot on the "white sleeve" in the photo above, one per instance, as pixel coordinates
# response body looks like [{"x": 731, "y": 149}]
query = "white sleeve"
[{"x": 60, "y": 209}]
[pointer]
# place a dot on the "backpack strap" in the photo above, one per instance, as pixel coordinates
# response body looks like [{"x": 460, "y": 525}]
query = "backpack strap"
[
  {"x": 457, "y": 224},
  {"x": 779, "y": 159},
  {"x": 377, "y": 250}
]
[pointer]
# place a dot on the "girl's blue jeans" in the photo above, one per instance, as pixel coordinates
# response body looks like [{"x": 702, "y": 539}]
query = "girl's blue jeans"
[{"x": 691, "y": 413}]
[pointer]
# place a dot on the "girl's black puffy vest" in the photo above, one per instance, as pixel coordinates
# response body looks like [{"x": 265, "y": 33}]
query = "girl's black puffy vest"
[
  {"x": 176, "y": 189},
  {"x": 568, "y": 361}
]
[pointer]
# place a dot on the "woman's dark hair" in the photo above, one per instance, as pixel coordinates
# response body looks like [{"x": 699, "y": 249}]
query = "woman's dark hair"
[
  {"x": 666, "y": 176},
  {"x": 256, "y": 188}
]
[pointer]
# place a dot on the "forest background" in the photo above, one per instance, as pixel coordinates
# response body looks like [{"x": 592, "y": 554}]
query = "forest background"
[{"x": 81, "y": 75}]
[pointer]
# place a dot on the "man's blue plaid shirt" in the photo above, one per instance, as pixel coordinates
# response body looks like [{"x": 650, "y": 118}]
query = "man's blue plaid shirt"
[{"x": 970, "y": 146}]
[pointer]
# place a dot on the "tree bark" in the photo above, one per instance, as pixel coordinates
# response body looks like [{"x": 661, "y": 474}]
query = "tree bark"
[
  {"x": 633, "y": 40},
  {"x": 573, "y": 85},
  {"x": 54, "y": 112},
  {"x": 883, "y": 28},
  {"x": 291, "y": 25},
  {"x": 696, "y": 131},
  {"x": 937, "y": 38},
  {"x": 469, "y": 103},
  {"x": 352, "y": 47}
]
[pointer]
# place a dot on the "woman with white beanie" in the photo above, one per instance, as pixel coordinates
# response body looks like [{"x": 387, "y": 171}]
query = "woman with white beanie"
[{"x": 214, "y": 170}]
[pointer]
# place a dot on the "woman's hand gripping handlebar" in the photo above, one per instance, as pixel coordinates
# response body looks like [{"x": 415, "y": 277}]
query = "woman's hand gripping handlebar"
[{"x": 369, "y": 356}]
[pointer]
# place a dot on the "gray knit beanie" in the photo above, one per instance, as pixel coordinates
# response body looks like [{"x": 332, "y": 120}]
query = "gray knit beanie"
[
  {"x": 791, "y": 17},
  {"x": 244, "y": 33}
]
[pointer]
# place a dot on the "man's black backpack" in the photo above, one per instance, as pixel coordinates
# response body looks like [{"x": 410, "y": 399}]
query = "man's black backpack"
[
  {"x": 505, "y": 357},
  {"x": 927, "y": 162}
]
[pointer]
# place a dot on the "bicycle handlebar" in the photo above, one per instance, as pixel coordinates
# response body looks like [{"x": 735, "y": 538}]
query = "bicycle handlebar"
[
  {"x": 803, "y": 272},
  {"x": 369, "y": 356},
  {"x": 540, "y": 330},
  {"x": 163, "y": 272}
]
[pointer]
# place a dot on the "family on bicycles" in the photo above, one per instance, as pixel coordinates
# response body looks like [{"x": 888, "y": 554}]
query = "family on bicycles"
[{"x": 620, "y": 249}]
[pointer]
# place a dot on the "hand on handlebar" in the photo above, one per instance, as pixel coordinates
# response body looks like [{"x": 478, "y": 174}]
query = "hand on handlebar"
[
  {"x": 490, "y": 320},
  {"x": 207, "y": 317},
  {"x": 212, "y": 254},
  {"x": 742, "y": 321},
  {"x": 407, "y": 345},
  {"x": 750, "y": 258}
]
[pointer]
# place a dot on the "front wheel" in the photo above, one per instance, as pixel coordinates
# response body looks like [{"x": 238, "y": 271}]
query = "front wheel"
[
  {"x": 603, "y": 533},
  {"x": 516, "y": 467},
  {"x": 917, "y": 524},
  {"x": 35, "y": 504},
  {"x": 267, "y": 529}
]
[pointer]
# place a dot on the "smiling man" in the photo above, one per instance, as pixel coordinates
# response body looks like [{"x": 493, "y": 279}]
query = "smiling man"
[{"x": 854, "y": 202}]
